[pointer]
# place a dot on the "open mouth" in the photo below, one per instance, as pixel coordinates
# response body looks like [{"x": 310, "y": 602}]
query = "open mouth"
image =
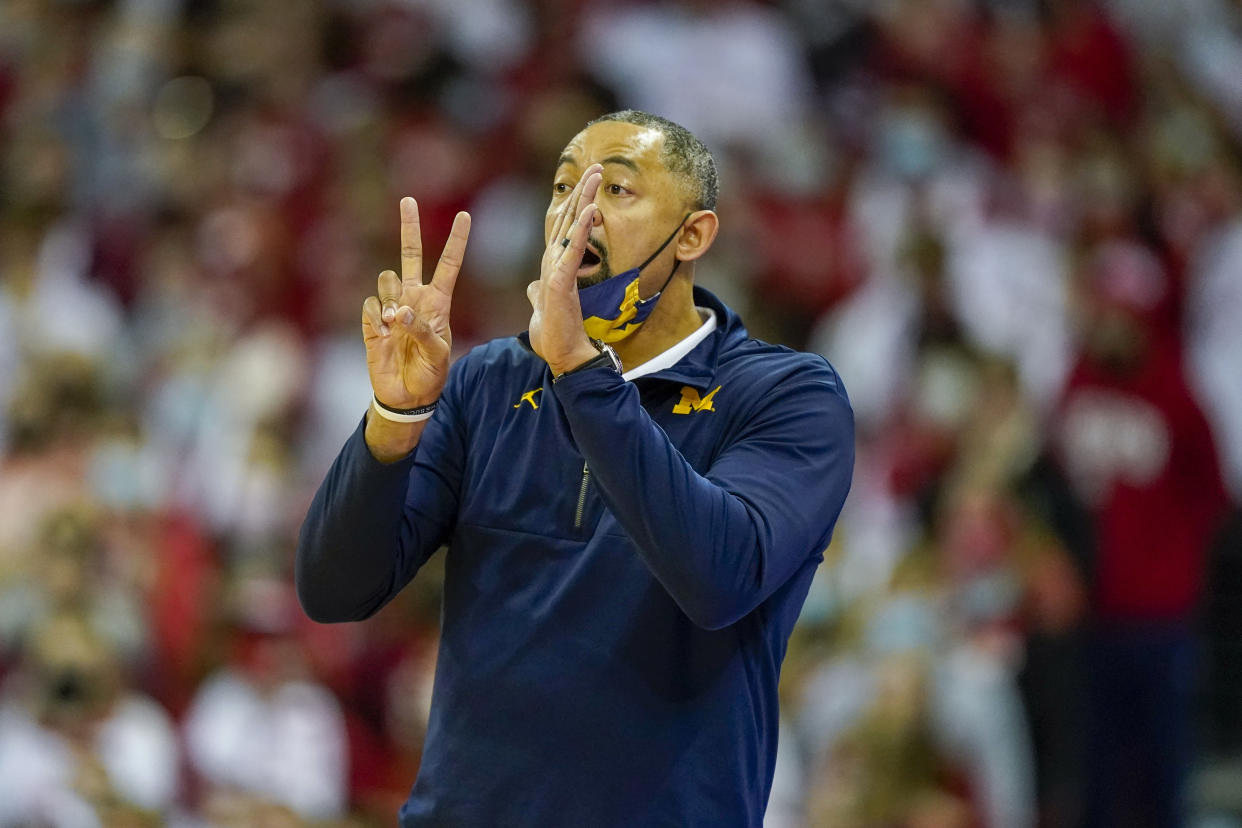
[{"x": 590, "y": 261}]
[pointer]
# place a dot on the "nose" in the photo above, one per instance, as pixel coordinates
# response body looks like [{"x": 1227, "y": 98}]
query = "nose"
[{"x": 598, "y": 218}]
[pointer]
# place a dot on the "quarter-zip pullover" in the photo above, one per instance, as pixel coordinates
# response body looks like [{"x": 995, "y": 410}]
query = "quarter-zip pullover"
[{"x": 625, "y": 562}]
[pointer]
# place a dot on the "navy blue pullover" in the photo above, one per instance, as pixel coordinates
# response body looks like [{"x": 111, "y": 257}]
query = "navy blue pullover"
[{"x": 625, "y": 563}]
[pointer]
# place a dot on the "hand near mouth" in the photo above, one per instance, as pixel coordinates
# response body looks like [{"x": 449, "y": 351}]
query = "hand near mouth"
[{"x": 556, "y": 332}]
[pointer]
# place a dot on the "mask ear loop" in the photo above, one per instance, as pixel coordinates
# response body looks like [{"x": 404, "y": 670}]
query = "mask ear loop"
[{"x": 659, "y": 250}]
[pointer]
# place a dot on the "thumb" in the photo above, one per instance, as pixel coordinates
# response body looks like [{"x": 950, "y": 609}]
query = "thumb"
[{"x": 431, "y": 344}]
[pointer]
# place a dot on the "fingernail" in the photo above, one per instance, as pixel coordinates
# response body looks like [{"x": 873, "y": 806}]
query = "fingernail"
[
  {"x": 384, "y": 329},
  {"x": 407, "y": 317},
  {"x": 388, "y": 314}
]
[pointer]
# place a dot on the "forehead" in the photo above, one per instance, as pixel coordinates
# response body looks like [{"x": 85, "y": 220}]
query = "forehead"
[{"x": 614, "y": 139}]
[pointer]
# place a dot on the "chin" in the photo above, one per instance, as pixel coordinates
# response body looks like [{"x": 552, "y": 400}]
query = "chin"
[{"x": 595, "y": 278}]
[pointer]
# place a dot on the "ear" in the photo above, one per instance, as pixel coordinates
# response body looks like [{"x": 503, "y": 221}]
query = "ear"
[{"x": 698, "y": 234}]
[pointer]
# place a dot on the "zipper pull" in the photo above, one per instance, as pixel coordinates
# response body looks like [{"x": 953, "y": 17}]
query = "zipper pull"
[{"x": 586, "y": 479}]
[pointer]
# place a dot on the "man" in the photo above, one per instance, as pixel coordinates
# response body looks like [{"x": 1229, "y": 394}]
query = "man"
[
  {"x": 1141, "y": 462},
  {"x": 627, "y": 552}
]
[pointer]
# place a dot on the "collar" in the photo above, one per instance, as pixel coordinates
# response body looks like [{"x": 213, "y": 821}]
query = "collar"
[{"x": 673, "y": 355}]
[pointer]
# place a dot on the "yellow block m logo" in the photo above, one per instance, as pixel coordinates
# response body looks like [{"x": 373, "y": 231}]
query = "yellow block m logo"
[{"x": 691, "y": 401}]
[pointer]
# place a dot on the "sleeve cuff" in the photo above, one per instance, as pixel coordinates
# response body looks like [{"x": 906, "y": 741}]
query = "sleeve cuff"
[
  {"x": 360, "y": 455},
  {"x": 577, "y": 384}
]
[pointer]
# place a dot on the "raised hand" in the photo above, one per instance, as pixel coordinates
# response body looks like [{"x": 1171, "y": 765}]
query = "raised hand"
[
  {"x": 406, "y": 326},
  {"x": 406, "y": 331},
  {"x": 556, "y": 331}
]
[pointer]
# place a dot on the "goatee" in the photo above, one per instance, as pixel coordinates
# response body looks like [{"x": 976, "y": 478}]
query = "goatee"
[{"x": 595, "y": 278}]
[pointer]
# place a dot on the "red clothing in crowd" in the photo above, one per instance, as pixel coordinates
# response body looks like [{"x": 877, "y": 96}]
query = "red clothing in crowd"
[{"x": 1139, "y": 453}]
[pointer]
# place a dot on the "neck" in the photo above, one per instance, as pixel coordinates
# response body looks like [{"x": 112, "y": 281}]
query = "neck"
[{"x": 673, "y": 319}]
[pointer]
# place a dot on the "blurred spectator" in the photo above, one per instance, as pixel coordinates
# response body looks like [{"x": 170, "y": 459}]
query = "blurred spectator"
[
  {"x": 729, "y": 69},
  {"x": 1139, "y": 456},
  {"x": 70, "y": 573},
  {"x": 1204, "y": 37},
  {"x": 904, "y": 724},
  {"x": 261, "y": 732},
  {"x": 76, "y": 743}
]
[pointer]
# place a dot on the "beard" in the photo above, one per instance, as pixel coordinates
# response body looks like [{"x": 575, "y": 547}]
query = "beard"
[{"x": 602, "y": 273}]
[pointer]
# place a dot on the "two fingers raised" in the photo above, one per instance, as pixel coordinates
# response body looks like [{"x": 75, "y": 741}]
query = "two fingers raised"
[{"x": 395, "y": 291}]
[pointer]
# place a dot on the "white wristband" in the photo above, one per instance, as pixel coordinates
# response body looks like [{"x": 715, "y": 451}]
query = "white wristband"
[{"x": 397, "y": 415}]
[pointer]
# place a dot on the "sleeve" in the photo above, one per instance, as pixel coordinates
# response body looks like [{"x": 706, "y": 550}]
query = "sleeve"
[
  {"x": 1199, "y": 467},
  {"x": 723, "y": 542},
  {"x": 371, "y": 525}
]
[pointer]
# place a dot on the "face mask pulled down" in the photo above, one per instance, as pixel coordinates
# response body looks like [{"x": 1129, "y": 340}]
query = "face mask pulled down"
[{"x": 612, "y": 309}]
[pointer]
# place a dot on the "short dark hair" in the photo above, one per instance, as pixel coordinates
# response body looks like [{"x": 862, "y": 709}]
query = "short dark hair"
[{"x": 683, "y": 154}]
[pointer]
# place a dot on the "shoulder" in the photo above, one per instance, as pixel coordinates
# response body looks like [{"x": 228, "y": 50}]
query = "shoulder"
[
  {"x": 763, "y": 367},
  {"x": 786, "y": 392},
  {"x": 775, "y": 369}
]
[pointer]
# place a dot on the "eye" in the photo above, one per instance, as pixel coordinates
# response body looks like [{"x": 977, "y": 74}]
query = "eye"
[
  {"x": 560, "y": 188},
  {"x": 615, "y": 189}
]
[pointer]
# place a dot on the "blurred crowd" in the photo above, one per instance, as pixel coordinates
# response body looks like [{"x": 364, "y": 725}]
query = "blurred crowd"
[{"x": 1014, "y": 226}]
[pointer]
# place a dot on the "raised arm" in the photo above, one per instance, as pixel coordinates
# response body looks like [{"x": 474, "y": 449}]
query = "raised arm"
[
  {"x": 721, "y": 542},
  {"x": 406, "y": 331},
  {"x": 359, "y": 545}
]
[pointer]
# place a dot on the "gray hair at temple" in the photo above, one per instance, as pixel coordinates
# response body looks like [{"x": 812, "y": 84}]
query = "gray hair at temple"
[{"x": 683, "y": 154}]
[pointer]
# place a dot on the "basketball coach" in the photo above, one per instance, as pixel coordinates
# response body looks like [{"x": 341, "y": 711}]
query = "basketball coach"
[{"x": 634, "y": 496}]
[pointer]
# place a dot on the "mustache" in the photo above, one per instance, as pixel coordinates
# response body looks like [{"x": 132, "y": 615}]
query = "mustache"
[{"x": 600, "y": 248}]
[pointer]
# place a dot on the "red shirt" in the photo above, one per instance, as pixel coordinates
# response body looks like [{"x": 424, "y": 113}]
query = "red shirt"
[{"x": 1139, "y": 453}]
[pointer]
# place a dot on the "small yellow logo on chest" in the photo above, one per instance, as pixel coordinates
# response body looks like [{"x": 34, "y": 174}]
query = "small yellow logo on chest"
[
  {"x": 691, "y": 401},
  {"x": 529, "y": 397}
]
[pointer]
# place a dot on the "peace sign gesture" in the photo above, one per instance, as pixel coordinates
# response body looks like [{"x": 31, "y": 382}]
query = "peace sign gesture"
[{"x": 406, "y": 326}]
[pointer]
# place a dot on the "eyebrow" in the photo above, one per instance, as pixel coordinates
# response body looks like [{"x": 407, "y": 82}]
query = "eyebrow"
[
  {"x": 566, "y": 158},
  {"x": 622, "y": 160}
]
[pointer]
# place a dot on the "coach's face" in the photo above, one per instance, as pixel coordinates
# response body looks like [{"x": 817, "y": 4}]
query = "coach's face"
[{"x": 640, "y": 201}]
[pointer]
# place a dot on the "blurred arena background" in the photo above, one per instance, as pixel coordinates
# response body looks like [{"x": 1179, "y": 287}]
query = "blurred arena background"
[{"x": 1015, "y": 226}]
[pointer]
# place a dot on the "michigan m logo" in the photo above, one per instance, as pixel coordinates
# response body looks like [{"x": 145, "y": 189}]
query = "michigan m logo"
[{"x": 691, "y": 401}]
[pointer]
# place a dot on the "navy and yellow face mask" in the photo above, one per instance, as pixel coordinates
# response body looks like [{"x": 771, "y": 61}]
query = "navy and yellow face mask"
[{"x": 612, "y": 309}]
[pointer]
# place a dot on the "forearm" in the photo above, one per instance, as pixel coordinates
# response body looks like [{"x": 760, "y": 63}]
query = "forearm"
[
  {"x": 349, "y": 555},
  {"x": 722, "y": 541},
  {"x": 701, "y": 542},
  {"x": 390, "y": 441}
]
